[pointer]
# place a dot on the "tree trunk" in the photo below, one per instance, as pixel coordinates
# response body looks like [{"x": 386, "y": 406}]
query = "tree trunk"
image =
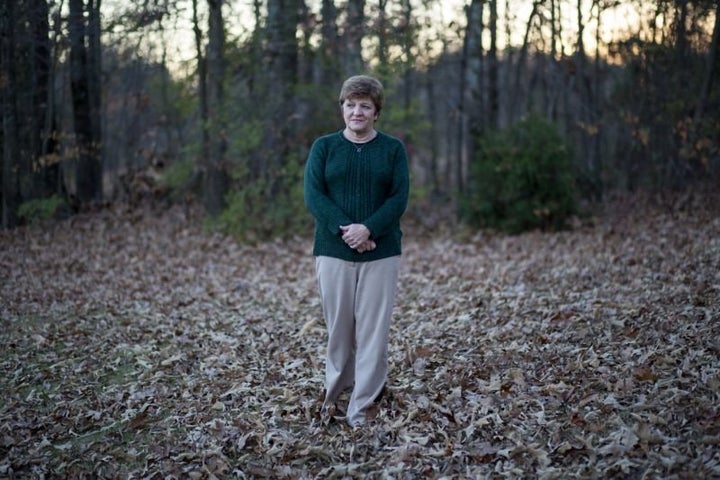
[
  {"x": 712, "y": 58},
  {"x": 432, "y": 165},
  {"x": 306, "y": 61},
  {"x": 39, "y": 20},
  {"x": 522, "y": 58},
  {"x": 382, "y": 34},
  {"x": 282, "y": 52},
  {"x": 10, "y": 173},
  {"x": 94, "y": 73},
  {"x": 493, "y": 77},
  {"x": 409, "y": 62},
  {"x": 553, "y": 29},
  {"x": 202, "y": 88},
  {"x": 88, "y": 186},
  {"x": 255, "y": 76},
  {"x": 474, "y": 66},
  {"x": 329, "y": 59},
  {"x": 216, "y": 173},
  {"x": 597, "y": 109},
  {"x": 354, "y": 33},
  {"x": 47, "y": 172},
  {"x": 681, "y": 34},
  {"x": 475, "y": 71}
]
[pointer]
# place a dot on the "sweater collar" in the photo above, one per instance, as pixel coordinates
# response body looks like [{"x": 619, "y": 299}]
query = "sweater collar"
[{"x": 357, "y": 144}]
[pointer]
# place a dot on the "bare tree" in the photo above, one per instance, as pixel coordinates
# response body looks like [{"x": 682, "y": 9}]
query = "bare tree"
[
  {"x": 408, "y": 44},
  {"x": 282, "y": 73},
  {"x": 520, "y": 68},
  {"x": 680, "y": 30},
  {"x": 215, "y": 182},
  {"x": 202, "y": 86},
  {"x": 471, "y": 86},
  {"x": 8, "y": 86},
  {"x": 30, "y": 169},
  {"x": 329, "y": 56},
  {"x": 94, "y": 71},
  {"x": 353, "y": 36},
  {"x": 493, "y": 67},
  {"x": 382, "y": 31},
  {"x": 711, "y": 62},
  {"x": 43, "y": 168},
  {"x": 474, "y": 57},
  {"x": 88, "y": 184}
]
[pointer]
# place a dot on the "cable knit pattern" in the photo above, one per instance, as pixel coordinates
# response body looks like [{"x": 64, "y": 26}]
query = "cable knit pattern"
[{"x": 357, "y": 183}]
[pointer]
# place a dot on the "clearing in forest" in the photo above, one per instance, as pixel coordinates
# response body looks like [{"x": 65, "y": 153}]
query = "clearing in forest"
[{"x": 137, "y": 345}]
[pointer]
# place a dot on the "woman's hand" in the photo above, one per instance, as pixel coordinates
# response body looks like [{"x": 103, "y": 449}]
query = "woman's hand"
[
  {"x": 355, "y": 234},
  {"x": 366, "y": 246}
]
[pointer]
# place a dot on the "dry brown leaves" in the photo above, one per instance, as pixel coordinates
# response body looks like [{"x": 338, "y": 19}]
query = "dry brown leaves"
[{"x": 136, "y": 345}]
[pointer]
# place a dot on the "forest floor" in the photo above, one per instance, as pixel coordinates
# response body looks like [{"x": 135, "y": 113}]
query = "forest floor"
[{"x": 135, "y": 344}]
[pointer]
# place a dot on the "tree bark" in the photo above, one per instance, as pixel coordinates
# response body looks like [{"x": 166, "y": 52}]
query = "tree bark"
[
  {"x": 473, "y": 62},
  {"x": 216, "y": 173},
  {"x": 408, "y": 41},
  {"x": 681, "y": 40},
  {"x": 382, "y": 34},
  {"x": 553, "y": 29},
  {"x": 202, "y": 88},
  {"x": 48, "y": 177},
  {"x": 522, "y": 58},
  {"x": 306, "y": 49},
  {"x": 475, "y": 59},
  {"x": 493, "y": 75},
  {"x": 354, "y": 33},
  {"x": 88, "y": 185},
  {"x": 282, "y": 53},
  {"x": 329, "y": 59},
  {"x": 43, "y": 184},
  {"x": 10, "y": 173},
  {"x": 712, "y": 58},
  {"x": 94, "y": 73}
]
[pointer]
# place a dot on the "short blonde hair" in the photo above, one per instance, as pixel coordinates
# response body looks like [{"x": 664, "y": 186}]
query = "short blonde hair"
[{"x": 363, "y": 86}]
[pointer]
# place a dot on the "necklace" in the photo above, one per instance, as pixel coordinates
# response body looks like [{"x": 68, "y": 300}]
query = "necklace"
[{"x": 359, "y": 140}]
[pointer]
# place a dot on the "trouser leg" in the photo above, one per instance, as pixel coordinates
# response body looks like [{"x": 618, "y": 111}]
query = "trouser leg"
[
  {"x": 374, "y": 301},
  {"x": 337, "y": 280}
]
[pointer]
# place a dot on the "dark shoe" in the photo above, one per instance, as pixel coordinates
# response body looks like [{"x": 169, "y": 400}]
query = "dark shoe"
[{"x": 381, "y": 394}]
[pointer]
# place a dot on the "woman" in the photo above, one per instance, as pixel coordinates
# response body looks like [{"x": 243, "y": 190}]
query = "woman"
[{"x": 356, "y": 187}]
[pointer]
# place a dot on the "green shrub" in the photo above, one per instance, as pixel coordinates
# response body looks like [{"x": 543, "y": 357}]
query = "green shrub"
[
  {"x": 521, "y": 178},
  {"x": 179, "y": 175},
  {"x": 40, "y": 209},
  {"x": 264, "y": 209}
]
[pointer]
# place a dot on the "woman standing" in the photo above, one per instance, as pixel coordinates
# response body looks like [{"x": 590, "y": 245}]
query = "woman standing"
[{"x": 356, "y": 187}]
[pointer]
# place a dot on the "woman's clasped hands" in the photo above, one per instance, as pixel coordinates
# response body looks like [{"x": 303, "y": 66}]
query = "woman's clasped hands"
[{"x": 357, "y": 237}]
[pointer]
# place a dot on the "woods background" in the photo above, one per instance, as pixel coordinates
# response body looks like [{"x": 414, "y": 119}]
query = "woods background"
[{"x": 220, "y": 100}]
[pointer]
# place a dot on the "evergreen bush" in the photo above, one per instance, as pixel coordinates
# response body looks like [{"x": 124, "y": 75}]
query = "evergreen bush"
[
  {"x": 263, "y": 209},
  {"x": 40, "y": 209},
  {"x": 178, "y": 177},
  {"x": 521, "y": 178}
]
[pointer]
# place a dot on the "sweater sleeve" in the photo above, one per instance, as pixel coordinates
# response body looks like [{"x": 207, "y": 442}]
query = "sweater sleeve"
[
  {"x": 386, "y": 218},
  {"x": 317, "y": 200}
]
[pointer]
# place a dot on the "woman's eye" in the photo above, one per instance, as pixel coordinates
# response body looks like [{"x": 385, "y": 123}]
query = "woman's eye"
[{"x": 364, "y": 106}]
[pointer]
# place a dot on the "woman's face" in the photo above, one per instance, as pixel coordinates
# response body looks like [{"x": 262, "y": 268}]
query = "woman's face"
[{"x": 359, "y": 114}]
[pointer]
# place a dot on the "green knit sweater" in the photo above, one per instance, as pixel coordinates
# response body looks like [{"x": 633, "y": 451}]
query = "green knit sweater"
[{"x": 365, "y": 183}]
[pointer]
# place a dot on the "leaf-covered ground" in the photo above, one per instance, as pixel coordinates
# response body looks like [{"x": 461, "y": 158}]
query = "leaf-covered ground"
[{"x": 135, "y": 345}]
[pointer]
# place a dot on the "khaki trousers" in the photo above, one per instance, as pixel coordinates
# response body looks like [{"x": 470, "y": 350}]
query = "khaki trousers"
[{"x": 357, "y": 300}]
